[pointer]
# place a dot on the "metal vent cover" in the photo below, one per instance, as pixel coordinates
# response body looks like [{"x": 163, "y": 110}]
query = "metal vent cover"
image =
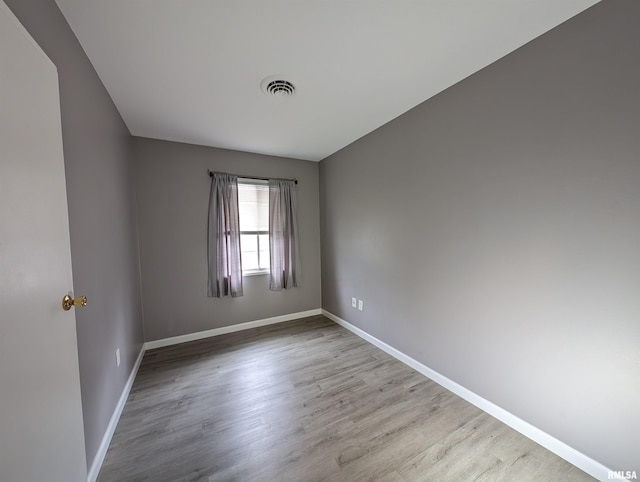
[{"x": 278, "y": 87}]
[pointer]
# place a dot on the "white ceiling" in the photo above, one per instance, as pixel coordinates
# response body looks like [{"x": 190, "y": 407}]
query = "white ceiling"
[{"x": 190, "y": 70}]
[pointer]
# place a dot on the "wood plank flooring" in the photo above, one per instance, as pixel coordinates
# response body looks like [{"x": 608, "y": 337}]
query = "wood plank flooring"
[{"x": 308, "y": 401}]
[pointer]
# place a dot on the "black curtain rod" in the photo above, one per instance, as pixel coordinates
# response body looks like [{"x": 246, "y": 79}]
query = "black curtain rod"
[{"x": 211, "y": 173}]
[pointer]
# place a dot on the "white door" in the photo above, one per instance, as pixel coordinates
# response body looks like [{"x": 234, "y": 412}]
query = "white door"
[{"x": 41, "y": 431}]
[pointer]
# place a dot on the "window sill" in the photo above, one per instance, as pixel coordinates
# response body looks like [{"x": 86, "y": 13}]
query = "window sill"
[{"x": 254, "y": 273}]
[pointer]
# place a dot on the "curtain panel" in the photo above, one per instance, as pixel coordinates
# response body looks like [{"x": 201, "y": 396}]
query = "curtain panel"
[
  {"x": 223, "y": 238},
  {"x": 284, "y": 250}
]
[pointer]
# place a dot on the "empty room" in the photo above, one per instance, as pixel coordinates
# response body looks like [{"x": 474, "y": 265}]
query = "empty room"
[{"x": 319, "y": 240}]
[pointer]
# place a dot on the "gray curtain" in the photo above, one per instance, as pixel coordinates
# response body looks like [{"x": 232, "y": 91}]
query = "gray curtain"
[
  {"x": 223, "y": 239},
  {"x": 284, "y": 250}
]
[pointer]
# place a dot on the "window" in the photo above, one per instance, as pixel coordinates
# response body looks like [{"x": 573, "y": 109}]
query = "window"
[{"x": 253, "y": 205}]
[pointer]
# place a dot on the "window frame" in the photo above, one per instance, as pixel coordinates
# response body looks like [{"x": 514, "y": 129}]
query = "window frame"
[{"x": 257, "y": 234}]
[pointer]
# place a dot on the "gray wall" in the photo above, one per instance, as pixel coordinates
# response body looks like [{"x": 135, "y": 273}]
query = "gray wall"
[
  {"x": 104, "y": 250},
  {"x": 172, "y": 189},
  {"x": 493, "y": 231}
]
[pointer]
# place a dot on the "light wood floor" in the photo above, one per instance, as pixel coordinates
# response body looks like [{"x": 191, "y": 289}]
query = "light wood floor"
[{"x": 308, "y": 401}]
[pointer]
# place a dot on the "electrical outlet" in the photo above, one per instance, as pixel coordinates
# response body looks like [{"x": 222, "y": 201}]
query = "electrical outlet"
[
  {"x": 118, "y": 357},
  {"x": 360, "y": 305},
  {"x": 354, "y": 302}
]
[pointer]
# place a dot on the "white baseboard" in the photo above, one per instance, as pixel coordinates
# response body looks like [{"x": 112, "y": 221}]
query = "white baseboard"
[
  {"x": 115, "y": 418},
  {"x": 590, "y": 466},
  {"x": 96, "y": 465},
  {"x": 174, "y": 340},
  {"x": 571, "y": 455}
]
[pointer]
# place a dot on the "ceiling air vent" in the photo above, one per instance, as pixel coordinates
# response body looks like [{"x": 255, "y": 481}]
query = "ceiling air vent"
[{"x": 278, "y": 87}]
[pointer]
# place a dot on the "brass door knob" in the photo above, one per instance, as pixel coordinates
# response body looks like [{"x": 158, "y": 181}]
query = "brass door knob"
[{"x": 68, "y": 302}]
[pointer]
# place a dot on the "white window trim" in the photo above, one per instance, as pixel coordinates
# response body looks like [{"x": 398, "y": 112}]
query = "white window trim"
[{"x": 254, "y": 272}]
